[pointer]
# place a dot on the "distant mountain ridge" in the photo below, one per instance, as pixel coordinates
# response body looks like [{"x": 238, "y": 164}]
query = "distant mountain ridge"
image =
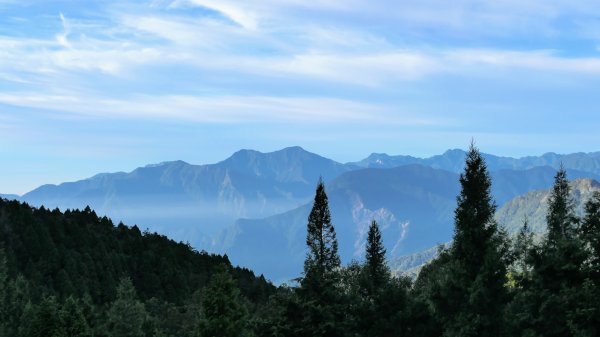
[
  {"x": 253, "y": 205},
  {"x": 453, "y": 160},
  {"x": 199, "y": 199}
]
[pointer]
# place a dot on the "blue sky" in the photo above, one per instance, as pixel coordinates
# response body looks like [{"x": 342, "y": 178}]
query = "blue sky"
[{"x": 99, "y": 86}]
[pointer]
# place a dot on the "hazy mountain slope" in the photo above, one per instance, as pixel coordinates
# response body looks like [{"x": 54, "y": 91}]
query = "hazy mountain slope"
[
  {"x": 508, "y": 183},
  {"x": 412, "y": 204},
  {"x": 534, "y": 205},
  {"x": 188, "y": 201},
  {"x": 9, "y": 196}
]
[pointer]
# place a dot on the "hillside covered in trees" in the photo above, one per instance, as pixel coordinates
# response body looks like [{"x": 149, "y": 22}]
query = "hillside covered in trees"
[
  {"x": 75, "y": 274},
  {"x": 56, "y": 267}
]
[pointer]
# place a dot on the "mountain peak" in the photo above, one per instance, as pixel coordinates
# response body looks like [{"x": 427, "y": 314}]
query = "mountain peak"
[
  {"x": 454, "y": 152},
  {"x": 292, "y": 149},
  {"x": 167, "y": 163}
]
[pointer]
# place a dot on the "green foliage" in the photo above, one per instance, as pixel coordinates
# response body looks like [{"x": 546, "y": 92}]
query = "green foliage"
[
  {"x": 377, "y": 273},
  {"x": 322, "y": 259},
  {"x": 590, "y": 235},
  {"x": 553, "y": 300},
  {"x": 320, "y": 295},
  {"x": 73, "y": 321},
  {"x": 466, "y": 286},
  {"x": 76, "y": 274},
  {"x": 222, "y": 306},
  {"x": 127, "y": 314},
  {"x": 67, "y": 268},
  {"x": 46, "y": 321}
]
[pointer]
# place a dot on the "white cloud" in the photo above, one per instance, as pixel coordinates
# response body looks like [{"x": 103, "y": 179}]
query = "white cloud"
[
  {"x": 222, "y": 109},
  {"x": 62, "y": 37},
  {"x": 245, "y": 16},
  {"x": 129, "y": 44},
  {"x": 542, "y": 60}
]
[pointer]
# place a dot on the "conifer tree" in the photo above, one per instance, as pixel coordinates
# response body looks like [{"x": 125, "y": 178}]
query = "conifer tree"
[
  {"x": 557, "y": 273},
  {"x": 4, "y": 296},
  {"x": 126, "y": 315},
  {"x": 471, "y": 294},
  {"x": 377, "y": 271},
  {"x": 319, "y": 291},
  {"x": 590, "y": 229},
  {"x": 46, "y": 320},
  {"x": 382, "y": 309},
  {"x": 73, "y": 320},
  {"x": 560, "y": 218},
  {"x": 523, "y": 244},
  {"x": 224, "y": 314},
  {"x": 322, "y": 259}
]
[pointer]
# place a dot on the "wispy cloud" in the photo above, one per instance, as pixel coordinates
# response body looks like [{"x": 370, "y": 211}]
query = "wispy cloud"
[{"x": 222, "y": 109}]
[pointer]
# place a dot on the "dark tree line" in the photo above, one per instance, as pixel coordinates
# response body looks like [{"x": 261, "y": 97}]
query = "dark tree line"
[{"x": 75, "y": 274}]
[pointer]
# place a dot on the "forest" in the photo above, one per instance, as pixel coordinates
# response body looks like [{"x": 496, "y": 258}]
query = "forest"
[{"x": 74, "y": 273}]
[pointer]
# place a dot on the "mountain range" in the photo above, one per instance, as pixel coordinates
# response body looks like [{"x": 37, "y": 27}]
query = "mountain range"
[{"x": 253, "y": 206}]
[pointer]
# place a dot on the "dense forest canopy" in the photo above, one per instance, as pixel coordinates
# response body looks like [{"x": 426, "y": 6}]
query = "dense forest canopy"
[{"x": 77, "y": 274}]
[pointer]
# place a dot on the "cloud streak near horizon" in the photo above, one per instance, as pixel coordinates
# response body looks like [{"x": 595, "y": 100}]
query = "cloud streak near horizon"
[{"x": 230, "y": 71}]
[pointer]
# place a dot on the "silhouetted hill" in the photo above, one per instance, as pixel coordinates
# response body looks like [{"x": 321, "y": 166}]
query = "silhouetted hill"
[{"x": 78, "y": 253}]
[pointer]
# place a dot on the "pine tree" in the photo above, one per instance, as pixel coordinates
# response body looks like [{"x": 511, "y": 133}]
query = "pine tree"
[
  {"x": 557, "y": 273},
  {"x": 560, "y": 218},
  {"x": 520, "y": 269},
  {"x": 126, "y": 315},
  {"x": 224, "y": 315},
  {"x": 319, "y": 291},
  {"x": 322, "y": 259},
  {"x": 471, "y": 295},
  {"x": 4, "y": 296},
  {"x": 585, "y": 319},
  {"x": 383, "y": 304},
  {"x": 73, "y": 320},
  {"x": 377, "y": 271},
  {"x": 590, "y": 229},
  {"x": 46, "y": 320}
]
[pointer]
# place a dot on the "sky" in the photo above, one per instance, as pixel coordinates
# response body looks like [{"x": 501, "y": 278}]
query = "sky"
[{"x": 103, "y": 86}]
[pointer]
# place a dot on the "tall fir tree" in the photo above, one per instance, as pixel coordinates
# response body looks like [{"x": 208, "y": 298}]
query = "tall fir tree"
[
  {"x": 557, "y": 273},
  {"x": 322, "y": 259},
  {"x": 4, "y": 296},
  {"x": 46, "y": 321},
  {"x": 126, "y": 315},
  {"x": 590, "y": 232},
  {"x": 319, "y": 291},
  {"x": 561, "y": 219},
  {"x": 471, "y": 295},
  {"x": 382, "y": 309},
  {"x": 376, "y": 270},
  {"x": 585, "y": 319},
  {"x": 73, "y": 320},
  {"x": 224, "y": 314}
]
